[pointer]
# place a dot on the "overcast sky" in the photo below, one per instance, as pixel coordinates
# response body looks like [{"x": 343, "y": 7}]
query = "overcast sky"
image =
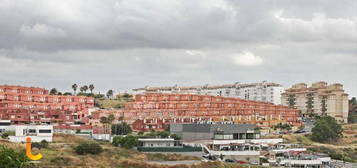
[{"x": 125, "y": 44}]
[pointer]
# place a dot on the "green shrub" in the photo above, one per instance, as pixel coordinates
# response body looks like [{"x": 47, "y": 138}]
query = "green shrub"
[
  {"x": 44, "y": 144},
  {"x": 88, "y": 148},
  {"x": 12, "y": 159},
  {"x": 175, "y": 136},
  {"x": 126, "y": 142},
  {"x": 5, "y": 135}
]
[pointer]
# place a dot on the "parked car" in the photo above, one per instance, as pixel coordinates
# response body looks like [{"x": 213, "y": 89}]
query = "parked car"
[
  {"x": 242, "y": 162},
  {"x": 299, "y": 132},
  {"x": 229, "y": 161}
]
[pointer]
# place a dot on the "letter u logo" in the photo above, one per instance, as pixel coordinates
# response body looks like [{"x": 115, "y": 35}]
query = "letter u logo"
[{"x": 29, "y": 152}]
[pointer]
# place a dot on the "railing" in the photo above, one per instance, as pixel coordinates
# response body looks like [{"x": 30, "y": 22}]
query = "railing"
[{"x": 170, "y": 149}]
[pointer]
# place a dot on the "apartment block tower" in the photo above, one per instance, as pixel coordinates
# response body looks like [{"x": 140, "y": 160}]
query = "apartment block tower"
[
  {"x": 318, "y": 99},
  {"x": 263, "y": 91}
]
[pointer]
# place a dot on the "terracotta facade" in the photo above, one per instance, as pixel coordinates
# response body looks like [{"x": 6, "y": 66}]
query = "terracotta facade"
[
  {"x": 34, "y": 105},
  {"x": 153, "y": 111}
]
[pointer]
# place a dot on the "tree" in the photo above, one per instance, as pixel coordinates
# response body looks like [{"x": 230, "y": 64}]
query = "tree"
[
  {"x": 10, "y": 158},
  {"x": 5, "y": 135},
  {"x": 121, "y": 118},
  {"x": 324, "y": 105},
  {"x": 110, "y": 119},
  {"x": 326, "y": 129},
  {"x": 283, "y": 126},
  {"x": 67, "y": 94},
  {"x": 53, "y": 91},
  {"x": 167, "y": 127},
  {"x": 127, "y": 142},
  {"x": 44, "y": 144},
  {"x": 110, "y": 93},
  {"x": 121, "y": 129},
  {"x": 175, "y": 136},
  {"x": 85, "y": 88},
  {"x": 74, "y": 87},
  {"x": 352, "y": 113},
  {"x": 91, "y": 88},
  {"x": 291, "y": 101},
  {"x": 163, "y": 134},
  {"x": 81, "y": 89},
  {"x": 310, "y": 104},
  {"x": 104, "y": 121}
]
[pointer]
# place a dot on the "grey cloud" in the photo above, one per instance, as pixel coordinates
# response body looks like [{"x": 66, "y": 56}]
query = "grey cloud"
[
  {"x": 56, "y": 25},
  {"x": 123, "y": 44}
]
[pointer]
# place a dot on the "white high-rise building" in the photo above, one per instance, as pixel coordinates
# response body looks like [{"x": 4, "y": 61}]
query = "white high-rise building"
[{"x": 264, "y": 91}]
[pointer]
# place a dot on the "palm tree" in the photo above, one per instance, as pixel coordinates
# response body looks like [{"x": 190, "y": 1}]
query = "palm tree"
[
  {"x": 91, "y": 88},
  {"x": 104, "y": 121},
  {"x": 324, "y": 105},
  {"x": 291, "y": 101},
  {"x": 110, "y": 119},
  {"x": 110, "y": 93},
  {"x": 81, "y": 89},
  {"x": 74, "y": 87},
  {"x": 310, "y": 104},
  {"x": 85, "y": 88}
]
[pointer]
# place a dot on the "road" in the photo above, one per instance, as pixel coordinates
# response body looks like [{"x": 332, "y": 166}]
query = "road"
[{"x": 172, "y": 163}]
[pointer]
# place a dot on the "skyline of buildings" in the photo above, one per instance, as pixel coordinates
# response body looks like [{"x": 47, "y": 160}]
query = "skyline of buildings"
[
  {"x": 161, "y": 105},
  {"x": 264, "y": 91}
]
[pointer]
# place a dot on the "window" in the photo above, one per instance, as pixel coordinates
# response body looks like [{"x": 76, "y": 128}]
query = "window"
[
  {"x": 32, "y": 131},
  {"x": 44, "y": 131}
]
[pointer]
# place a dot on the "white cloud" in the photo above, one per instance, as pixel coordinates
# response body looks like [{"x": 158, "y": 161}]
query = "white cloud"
[
  {"x": 247, "y": 58},
  {"x": 194, "y": 52}
]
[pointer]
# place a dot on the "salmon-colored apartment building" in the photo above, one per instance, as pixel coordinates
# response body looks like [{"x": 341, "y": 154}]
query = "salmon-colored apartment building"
[
  {"x": 24, "y": 105},
  {"x": 154, "y": 111}
]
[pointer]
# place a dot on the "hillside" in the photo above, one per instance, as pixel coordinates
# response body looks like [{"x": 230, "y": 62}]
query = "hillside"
[
  {"x": 60, "y": 153},
  {"x": 117, "y": 102},
  {"x": 345, "y": 148}
]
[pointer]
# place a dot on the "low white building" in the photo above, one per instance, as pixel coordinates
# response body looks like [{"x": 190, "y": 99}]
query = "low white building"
[
  {"x": 157, "y": 142},
  {"x": 37, "y": 133},
  {"x": 5, "y": 126}
]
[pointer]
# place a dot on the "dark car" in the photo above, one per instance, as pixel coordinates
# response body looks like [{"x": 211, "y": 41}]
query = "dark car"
[
  {"x": 229, "y": 161},
  {"x": 299, "y": 132}
]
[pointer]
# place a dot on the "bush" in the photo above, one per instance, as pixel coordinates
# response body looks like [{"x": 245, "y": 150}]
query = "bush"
[
  {"x": 44, "y": 144},
  {"x": 88, "y": 148},
  {"x": 127, "y": 142},
  {"x": 5, "y": 135},
  {"x": 175, "y": 136},
  {"x": 12, "y": 159},
  {"x": 163, "y": 134}
]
